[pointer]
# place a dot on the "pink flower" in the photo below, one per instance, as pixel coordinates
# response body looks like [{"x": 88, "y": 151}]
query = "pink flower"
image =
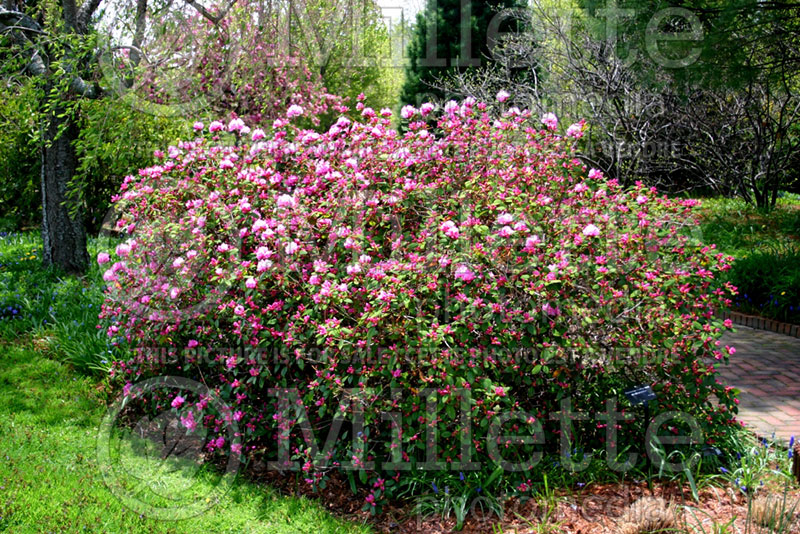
[
  {"x": 263, "y": 253},
  {"x": 192, "y": 343},
  {"x": 505, "y": 218},
  {"x": 177, "y": 263},
  {"x": 286, "y": 201},
  {"x": 250, "y": 283},
  {"x": 109, "y": 276},
  {"x": 641, "y": 199},
  {"x": 463, "y": 273},
  {"x": 188, "y": 421},
  {"x": 550, "y": 120},
  {"x": 407, "y": 112},
  {"x": 591, "y": 230},
  {"x": 385, "y": 296},
  {"x": 500, "y": 392},
  {"x": 178, "y": 402},
  {"x": 449, "y": 229},
  {"x": 263, "y": 265},
  {"x": 291, "y": 247},
  {"x": 258, "y": 134},
  {"x": 198, "y": 126},
  {"x": 426, "y": 108},
  {"x": 102, "y": 258},
  {"x": 595, "y": 174},
  {"x": 532, "y": 241},
  {"x": 551, "y": 310},
  {"x": 236, "y": 448},
  {"x": 236, "y": 125},
  {"x": 502, "y": 96},
  {"x": 123, "y": 249},
  {"x": 239, "y": 310},
  {"x": 294, "y": 111},
  {"x": 575, "y": 131},
  {"x": 216, "y": 126},
  {"x": 505, "y": 231}
]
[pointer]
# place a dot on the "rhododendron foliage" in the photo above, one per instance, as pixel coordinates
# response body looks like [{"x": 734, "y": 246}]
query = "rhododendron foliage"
[{"x": 475, "y": 266}]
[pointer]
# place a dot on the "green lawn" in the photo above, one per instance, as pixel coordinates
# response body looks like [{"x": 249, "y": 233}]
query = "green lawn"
[
  {"x": 740, "y": 229},
  {"x": 50, "y": 480},
  {"x": 51, "y": 363},
  {"x": 766, "y": 246}
]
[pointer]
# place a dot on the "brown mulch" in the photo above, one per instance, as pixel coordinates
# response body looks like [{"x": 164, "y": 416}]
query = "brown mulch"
[{"x": 593, "y": 509}]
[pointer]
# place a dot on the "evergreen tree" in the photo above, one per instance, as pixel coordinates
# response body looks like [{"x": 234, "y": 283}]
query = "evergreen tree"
[{"x": 452, "y": 36}]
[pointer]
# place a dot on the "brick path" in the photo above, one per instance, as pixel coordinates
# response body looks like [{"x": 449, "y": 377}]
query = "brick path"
[{"x": 766, "y": 367}]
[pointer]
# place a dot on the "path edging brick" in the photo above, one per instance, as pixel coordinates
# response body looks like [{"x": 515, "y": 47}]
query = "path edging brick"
[{"x": 762, "y": 323}]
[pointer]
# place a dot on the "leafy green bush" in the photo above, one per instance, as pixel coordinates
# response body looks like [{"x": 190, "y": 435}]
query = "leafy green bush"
[
  {"x": 446, "y": 288},
  {"x": 115, "y": 140},
  {"x": 769, "y": 283},
  {"x": 20, "y": 198},
  {"x": 766, "y": 245}
]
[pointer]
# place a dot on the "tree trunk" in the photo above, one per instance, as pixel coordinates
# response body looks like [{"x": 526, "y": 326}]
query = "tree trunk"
[{"x": 64, "y": 236}]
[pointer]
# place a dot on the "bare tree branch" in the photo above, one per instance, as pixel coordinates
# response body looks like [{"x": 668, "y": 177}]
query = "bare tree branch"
[{"x": 207, "y": 14}]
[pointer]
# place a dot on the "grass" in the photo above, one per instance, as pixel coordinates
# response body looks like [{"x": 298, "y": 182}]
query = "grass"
[
  {"x": 50, "y": 480},
  {"x": 739, "y": 229},
  {"x": 766, "y": 246},
  {"x": 61, "y": 311},
  {"x": 52, "y": 360}
]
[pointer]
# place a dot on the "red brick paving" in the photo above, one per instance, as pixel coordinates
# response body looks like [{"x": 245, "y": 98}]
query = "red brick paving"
[{"x": 766, "y": 368}]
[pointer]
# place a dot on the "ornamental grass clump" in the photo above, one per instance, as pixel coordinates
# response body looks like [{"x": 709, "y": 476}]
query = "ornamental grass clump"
[
  {"x": 411, "y": 296},
  {"x": 649, "y": 515},
  {"x": 774, "y": 512}
]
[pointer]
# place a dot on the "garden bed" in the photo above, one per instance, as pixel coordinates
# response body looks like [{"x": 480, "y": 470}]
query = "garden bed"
[{"x": 593, "y": 509}]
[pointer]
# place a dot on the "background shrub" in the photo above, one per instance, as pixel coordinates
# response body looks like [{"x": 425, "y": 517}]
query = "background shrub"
[
  {"x": 765, "y": 245},
  {"x": 20, "y": 160},
  {"x": 361, "y": 272},
  {"x": 769, "y": 283}
]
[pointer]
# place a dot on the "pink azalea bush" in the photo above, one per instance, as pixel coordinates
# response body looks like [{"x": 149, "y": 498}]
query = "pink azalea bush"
[{"x": 477, "y": 266}]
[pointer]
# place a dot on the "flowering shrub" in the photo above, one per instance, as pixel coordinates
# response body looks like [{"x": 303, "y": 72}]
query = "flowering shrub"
[{"x": 427, "y": 287}]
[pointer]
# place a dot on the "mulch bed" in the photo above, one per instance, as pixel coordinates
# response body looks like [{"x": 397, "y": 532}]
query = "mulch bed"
[{"x": 593, "y": 509}]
